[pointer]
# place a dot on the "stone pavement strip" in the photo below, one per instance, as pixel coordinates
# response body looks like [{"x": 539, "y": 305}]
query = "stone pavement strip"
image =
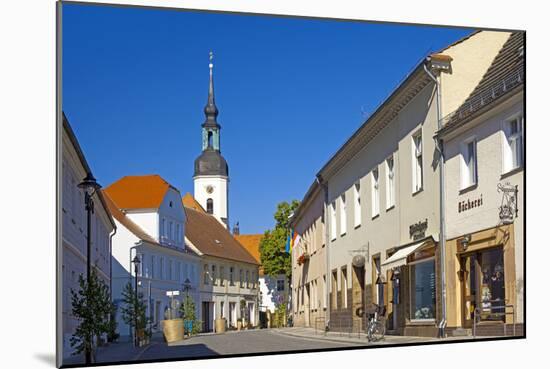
[{"x": 355, "y": 338}]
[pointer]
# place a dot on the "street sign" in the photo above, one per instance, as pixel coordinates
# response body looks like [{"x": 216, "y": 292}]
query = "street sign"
[{"x": 172, "y": 293}]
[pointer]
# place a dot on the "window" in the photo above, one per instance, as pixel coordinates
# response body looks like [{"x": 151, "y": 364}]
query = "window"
[
  {"x": 280, "y": 284},
  {"x": 422, "y": 284},
  {"x": 178, "y": 272},
  {"x": 345, "y": 286},
  {"x": 231, "y": 278},
  {"x": 222, "y": 275},
  {"x": 171, "y": 230},
  {"x": 170, "y": 274},
  {"x": 161, "y": 268},
  {"x": 153, "y": 261},
  {"x": 213, "y": 276},
  {"x": 178, "y": 232},
  {"x": 390, "y": 183},
  {"x": 417, "y": 162},
  {"x": 333, "y": 221},
  {"x": 241, "y": 278},
  {"x": 205, "y": 273},
  {"x": 163, "y": 227},
  {"x": 247, "y": 279},
  {"x": 513, "y": 147},
  {"x": 343, "y": 219},
  {"x": 375, "y": 193},
  {"x": 357, "y": 205},
  {"x": 222, "y": 311},
  {"x": 210, "y": 206},
  {"x": 468, "y": 172}
]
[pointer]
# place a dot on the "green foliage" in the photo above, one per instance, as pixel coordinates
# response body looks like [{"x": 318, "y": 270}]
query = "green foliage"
[
  {"x": 187, "y": 310},
  {"x": 112, "y": 334},
  {"x": 134, "y": 307},
  {"x": 273, "y": 256},
  {"x": 280, "y": 314},
  {"x": 91, "y": 305}
]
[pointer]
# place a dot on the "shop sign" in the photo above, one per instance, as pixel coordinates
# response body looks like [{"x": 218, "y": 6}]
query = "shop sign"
[
  {"x": 417, "y": 231},
  {"x": 466, "y": 205},
  {"x": 508, "y": 209}
]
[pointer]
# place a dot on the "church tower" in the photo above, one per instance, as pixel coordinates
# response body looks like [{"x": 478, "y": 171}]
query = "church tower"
[{"x": 211, "y": 176}]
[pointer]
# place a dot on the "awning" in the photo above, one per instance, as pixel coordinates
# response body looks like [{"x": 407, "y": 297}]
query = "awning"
[{"x": 400, "y": 257}]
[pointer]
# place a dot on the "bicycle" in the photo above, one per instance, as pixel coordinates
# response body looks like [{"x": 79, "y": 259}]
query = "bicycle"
[{"x": 376, "y": 327}]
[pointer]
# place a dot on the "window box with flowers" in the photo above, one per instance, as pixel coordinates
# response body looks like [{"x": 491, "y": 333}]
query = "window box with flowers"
[{"x": 303, "y": 258}]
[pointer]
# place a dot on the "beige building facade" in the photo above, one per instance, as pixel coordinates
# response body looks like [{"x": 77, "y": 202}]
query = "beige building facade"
[
  {"x": 484, "y": 186},
  {"x": 309, "y": 275},
  {"x": 383, "y": 200}
]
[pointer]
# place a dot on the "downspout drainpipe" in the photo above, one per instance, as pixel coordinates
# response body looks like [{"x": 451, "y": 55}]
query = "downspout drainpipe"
[
  {"x": 111, "y": 264},
  {"x": 130, "y": 333},
  {"x": 442, "y": 235},
  {"x": 327, "y": 244}
]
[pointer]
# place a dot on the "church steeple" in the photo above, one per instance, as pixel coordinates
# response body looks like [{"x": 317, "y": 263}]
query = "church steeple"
[
  {"x": 211, "y": 176},
  {"x": 211, "y": 110}
]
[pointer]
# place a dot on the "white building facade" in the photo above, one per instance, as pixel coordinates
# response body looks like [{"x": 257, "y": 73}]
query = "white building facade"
[
  {"x": 74, "y": 231},
  {"x": 151, "y": 225}
]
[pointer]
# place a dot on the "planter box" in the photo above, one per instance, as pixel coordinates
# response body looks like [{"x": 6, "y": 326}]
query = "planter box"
[
  {"x": 220, "y": 325},
  {"x": 172, "y": 329}
]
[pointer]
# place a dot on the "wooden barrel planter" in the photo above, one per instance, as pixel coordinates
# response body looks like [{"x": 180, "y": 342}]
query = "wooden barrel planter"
[{"x": 172, "y": 329}]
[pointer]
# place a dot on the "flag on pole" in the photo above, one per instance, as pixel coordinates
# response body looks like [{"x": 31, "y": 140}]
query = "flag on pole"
[{"x": 288, "y": 246}]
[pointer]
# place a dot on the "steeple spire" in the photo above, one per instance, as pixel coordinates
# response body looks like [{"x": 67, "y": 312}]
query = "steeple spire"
[{"x": 210, "y": 110}]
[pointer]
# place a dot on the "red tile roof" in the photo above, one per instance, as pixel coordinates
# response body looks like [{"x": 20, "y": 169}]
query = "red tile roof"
[
  {"x": 125, "y": 221},
  {"x": 138, "y": 192},
  {"x": 210, "y": 237},
  {"x": 189, "y": 201}
]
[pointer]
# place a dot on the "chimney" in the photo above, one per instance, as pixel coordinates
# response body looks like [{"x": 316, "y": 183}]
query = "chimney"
[{"x": 236, "y": 229}]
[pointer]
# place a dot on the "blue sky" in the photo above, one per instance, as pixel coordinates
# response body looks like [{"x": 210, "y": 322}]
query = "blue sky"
[{"x": 290, "y": 92}]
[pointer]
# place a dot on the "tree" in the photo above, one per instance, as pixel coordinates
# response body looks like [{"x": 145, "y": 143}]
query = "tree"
[
  {"x": 112, "y": 334},
  {"x": 187, "y": 310},
  {"x": 273, "y": 257},
  {"x": 134, "y": 309},
  {"x": 91, "y": 305}
]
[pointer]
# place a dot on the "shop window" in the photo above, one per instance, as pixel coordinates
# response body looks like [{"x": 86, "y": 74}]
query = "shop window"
[{"x": 422, "y": 284}]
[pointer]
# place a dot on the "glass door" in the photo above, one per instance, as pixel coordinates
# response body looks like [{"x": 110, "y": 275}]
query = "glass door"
[{"x": 482, "y": 279}]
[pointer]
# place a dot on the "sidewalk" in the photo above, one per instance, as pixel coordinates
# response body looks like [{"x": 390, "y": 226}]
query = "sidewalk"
[
  {"x": 116, "y": 352},
  {"x": 356, "y": 338}
]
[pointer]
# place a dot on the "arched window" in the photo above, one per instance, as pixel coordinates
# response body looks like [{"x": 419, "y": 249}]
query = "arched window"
[{"x": 210, "y": 206}]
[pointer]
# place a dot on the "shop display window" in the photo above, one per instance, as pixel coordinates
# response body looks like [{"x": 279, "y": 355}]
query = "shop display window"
[{"x": 422, "y": 283}]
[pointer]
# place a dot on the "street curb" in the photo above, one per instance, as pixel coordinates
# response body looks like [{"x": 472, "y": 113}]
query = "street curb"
[{"x": 365, "y": 343}]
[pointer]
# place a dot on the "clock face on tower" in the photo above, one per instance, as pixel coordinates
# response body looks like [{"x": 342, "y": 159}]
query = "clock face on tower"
[{"x": 209, "y": 189}]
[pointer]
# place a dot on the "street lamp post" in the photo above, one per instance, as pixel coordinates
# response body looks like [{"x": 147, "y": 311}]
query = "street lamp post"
[
  {"x": 136, "y": 262},
  {"x": 90, "y": 187},
  {"x": 186, "y": 288}
]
